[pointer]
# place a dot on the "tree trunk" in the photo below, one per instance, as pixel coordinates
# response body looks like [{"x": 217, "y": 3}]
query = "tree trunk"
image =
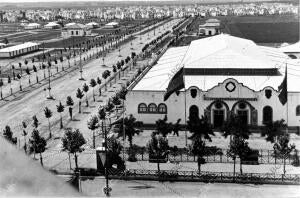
[
  {"x": 50, "y": 135},
  {"x": 80, "y": 106},
  {"x": 69, "y": 160},
  {"x": 76, "y": 161},
  {"x": 70, "y": 112},
  {"x": 241, "y": 170},
  {"x": 94, "y": 95},
  {"x": 86, "y": 100},
  {"x": 93, "y": 139},
  {"x": 61, "y": 122},
  {"x": 234, "y": 169},
  {"x": 41, "y": 159},
  {"x": 284, "y": 171}
]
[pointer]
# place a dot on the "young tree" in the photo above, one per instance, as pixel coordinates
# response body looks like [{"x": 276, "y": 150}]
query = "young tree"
[
  {"x": 131, "y": 127},
  {"x": 60, "y": 108},
  {"x": 116, "y": 100},
  {"x": 93, "y": 84},
  {"x": 20, "y": 66},
  {"x": 61, "y": 59},
  {"x": 273, "y": 130},
  {"x": 35, "y": 71},
  {"x": 85, "y": 88},
  {"x": 37, "y": 144},
  {"x": 238, "y": 147},
  {"x": 72, "y": 142},
  {"x": 79, "y": 95},
  {"x": 9, "y": 82},
  {"x": 8, "y": 135},
  {"x": 201, "y": 130},
  {"x": 13, "y": 72},
  {"x": 105, "y": 75},
  {"x": 93, "y": 125},
  {"x": 70, "y": 104},
  {"x": 99, "y": 83},
  {"x": 24, "y": 134},
  {"x": 19, "y": 77},
  {"x": 239, "y": 132},
  {"x": 35, "y": 122},
  {"x": 158, "y": 149},
  {"x": 283, "y": 149},
  {"x": 162, "y": 127},
  {"x": 48, "y": 115},
  {"x": 28, "y": 73},
  {"x": 1, "y": 85}
]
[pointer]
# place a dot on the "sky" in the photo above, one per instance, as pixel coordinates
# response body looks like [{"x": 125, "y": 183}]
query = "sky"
[{"x": 17, "y": 1}]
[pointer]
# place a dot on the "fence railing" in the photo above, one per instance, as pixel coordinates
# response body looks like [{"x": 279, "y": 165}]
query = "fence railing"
[
  {"x": 218, "y": 156},
  {"x": 226, "y": 177}
]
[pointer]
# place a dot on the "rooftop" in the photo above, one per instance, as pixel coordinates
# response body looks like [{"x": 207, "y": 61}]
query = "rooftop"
[
  {"x": 291, "y": 48},
  {"x": 18, "y": 47},
  {"x": 222, "y": 52}
]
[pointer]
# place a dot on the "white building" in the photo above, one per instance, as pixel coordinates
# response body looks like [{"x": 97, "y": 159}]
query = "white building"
[
  {"x": 211, "y": 27},
  {"x": 32, "y": 26},
  {"x": 92, "y": 25},
  {"x": 111, "y": 25},
  {"x": 76, "y": 30},
  {"x": 222, "y": 74},
  {"x": 52, "y": 25},
  {"x": 18, "y": 50}
]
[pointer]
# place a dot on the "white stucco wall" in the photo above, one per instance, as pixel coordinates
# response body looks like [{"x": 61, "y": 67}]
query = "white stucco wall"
[{"x": 176, "y": 104}]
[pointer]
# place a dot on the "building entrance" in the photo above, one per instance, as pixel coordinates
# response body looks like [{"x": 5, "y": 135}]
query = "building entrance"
[
  {"x": 218, "y": 118},
  {"x": 243, "y": 115}
]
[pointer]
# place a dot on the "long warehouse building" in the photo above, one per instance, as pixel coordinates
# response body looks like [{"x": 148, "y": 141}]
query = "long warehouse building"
[{"x": 18, "y": 50}]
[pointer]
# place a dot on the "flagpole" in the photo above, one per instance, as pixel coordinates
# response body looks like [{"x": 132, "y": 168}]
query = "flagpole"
[
  {"x": 185, "y": 107},
  {"x": 287, "y": 101}
]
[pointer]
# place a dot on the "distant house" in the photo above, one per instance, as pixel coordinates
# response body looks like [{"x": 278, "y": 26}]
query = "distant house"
[
  {"x": 211, "y": 27},
  {"x": 92, "y": 25},
  {"x": 32, "y": 26},
  {"x": 70, "y": 24},
  {"x": 75, "y": 30},
  {"x": 52, "y": 25},
  {"x": 111, "y": 25},
  {"x": 18, "y": 50}
]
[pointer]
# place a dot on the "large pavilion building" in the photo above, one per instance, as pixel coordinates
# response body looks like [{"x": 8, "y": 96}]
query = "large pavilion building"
[{"x": 222, "y": 75}]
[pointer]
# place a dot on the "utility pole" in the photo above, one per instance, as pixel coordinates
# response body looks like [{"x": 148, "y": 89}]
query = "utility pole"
[
  {"x": 80, "y": 64},
  {"x": 106, "y": 189}
]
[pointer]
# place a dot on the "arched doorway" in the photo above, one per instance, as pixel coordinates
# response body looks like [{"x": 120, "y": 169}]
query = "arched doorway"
[
  {"x": 217, "y": 112},
  {"x": 267, "y": 114},
  {"x": 194, "y": 111}
]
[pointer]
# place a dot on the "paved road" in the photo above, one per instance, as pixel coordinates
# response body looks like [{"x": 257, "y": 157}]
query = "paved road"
[{"x": 142, "y": 188}]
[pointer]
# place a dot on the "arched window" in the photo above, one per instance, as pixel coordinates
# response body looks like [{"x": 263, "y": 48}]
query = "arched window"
[
  {"x": 142, "y": 108},
  {"x": 267, "y": 114},
  {"x": 193, "y": 93},
  {"x": 152, "y": 108},
  {"x": 194, "y": 111},
  {"x": 298, "y": 110},
  {"x": 162, "y": 108}
]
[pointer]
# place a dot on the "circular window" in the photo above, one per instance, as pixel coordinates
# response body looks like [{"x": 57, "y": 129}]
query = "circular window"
[
  {"x": 230, "y": 86},
  {"x": 242, "y": 105},
  {"x": 218, "y": 105}
]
